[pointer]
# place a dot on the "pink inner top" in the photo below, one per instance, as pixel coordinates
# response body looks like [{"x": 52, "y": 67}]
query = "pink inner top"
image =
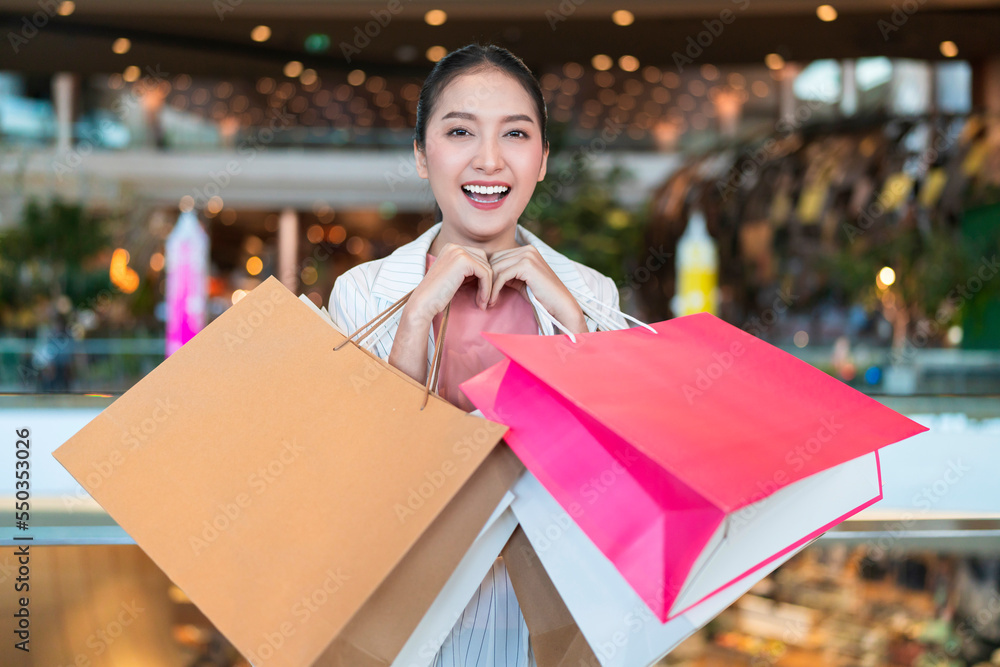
[{"x": 466, "y": 352}]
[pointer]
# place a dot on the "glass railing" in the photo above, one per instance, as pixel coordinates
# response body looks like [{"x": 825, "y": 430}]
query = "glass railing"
[
  {"x": 113, "y": 365},
  {"x": 958, "y": 453}
]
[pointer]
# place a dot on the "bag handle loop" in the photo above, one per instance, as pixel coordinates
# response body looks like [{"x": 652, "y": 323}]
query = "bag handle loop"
[
  {"x": 611, "y": 309},
  {"x": 601, "y": 319},
  {"x": 372, "y": 325}
]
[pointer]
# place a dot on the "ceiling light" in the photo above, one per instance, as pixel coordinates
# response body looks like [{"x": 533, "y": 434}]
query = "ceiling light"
[
  {"x": 623, "y": 17},
  {"x": 826, "y": 13},
  {"x": 435, "y": 17}
]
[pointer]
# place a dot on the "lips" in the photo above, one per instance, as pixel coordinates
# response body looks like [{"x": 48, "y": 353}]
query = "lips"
[{"x": 486, "y": 195}]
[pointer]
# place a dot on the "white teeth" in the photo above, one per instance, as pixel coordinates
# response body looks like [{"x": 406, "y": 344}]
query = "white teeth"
[{"x": 485, "y": 189}]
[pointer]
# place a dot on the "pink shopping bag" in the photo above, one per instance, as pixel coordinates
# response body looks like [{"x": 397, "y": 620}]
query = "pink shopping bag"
[{"x": 691, "y": 456}]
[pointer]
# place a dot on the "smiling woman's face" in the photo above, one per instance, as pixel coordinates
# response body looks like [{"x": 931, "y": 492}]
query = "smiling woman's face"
[{"x": 482, "y": 153}]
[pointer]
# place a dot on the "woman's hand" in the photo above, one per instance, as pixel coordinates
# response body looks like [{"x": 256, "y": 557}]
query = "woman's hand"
[
  {"x": 453, "y": 267},
  {"x": 524, "y": 267}
]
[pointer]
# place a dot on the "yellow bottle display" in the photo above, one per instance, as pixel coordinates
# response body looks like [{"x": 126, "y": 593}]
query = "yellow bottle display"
[{"x": 697, "y": 270}]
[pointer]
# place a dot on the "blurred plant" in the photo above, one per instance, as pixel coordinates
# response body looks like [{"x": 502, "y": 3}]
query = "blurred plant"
[
  {"x": 907, "y": 275},
  {"x": 52, "y": 255},
  {"x": 980, "y": 312},
  {"x": 577, "y": 212},
  {"x": 929, "y": 271}
]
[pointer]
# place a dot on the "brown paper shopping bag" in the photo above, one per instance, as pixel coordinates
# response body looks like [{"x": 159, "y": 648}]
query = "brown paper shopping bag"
[
  {"x": 555, "y": 638},
  {"x": 310, "y": 501}
]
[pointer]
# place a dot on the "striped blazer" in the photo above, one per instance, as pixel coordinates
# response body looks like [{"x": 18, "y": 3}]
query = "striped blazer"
[{"x": 491, "y": 631}]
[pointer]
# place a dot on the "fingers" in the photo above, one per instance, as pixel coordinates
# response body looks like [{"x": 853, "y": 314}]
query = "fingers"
[
  {"x": 474, "y": 263},
  {"x": 456, "y": 249},
  {"x": 454, "y": 266},
  {"x": 478, "y": 252},
  {"x": 519, "y": 250},
  {"x": 484, "y": 272},
  {"x": 523, "y": 264},
  {"x": 505, "y": 271}
]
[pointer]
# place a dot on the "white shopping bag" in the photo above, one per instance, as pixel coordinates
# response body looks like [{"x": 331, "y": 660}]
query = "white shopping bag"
[
  {"x": 439, "y": 620},
  {"x": 617, "y": 624},
  {"x": 322, "y": 312}
]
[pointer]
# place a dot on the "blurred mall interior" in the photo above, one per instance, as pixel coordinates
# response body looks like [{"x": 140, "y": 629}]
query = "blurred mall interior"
[{"x": 845, "y": 160}]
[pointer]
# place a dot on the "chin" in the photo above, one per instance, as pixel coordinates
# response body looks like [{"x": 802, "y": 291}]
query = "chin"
[
  {"x": 485, "y": 225},
  {"x": 487, "y": 233}
]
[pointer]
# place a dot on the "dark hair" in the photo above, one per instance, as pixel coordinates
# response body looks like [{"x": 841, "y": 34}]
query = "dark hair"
[{"x": 471, "y": 58}]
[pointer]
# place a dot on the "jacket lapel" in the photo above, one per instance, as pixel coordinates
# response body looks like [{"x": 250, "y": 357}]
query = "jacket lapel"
[{"x": 404, "y": 268}]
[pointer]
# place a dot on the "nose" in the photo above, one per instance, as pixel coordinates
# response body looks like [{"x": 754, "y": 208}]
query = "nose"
[{"x": 489, "y": 157}]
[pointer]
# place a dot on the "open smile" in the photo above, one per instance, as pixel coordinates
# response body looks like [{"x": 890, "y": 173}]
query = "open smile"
[{"x": 486, "y": 196}]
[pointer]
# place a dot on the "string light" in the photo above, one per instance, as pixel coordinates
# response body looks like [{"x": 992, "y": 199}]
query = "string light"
[
  {"x": 573, "y": 70},
  {"x": 601, "y": 62},
  {"x": 628, "y": 63},
  {"x": 308, "y": 77},
  {"x": 774, "y": 61}
]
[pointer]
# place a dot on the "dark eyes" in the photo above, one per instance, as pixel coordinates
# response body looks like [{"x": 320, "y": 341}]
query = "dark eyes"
[{"x": 462, "y": 132}]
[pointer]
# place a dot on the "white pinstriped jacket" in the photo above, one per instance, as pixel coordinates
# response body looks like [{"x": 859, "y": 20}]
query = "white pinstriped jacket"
[
  {"x": 367, "y": 289},
  {"x": 491, "y": 631}
]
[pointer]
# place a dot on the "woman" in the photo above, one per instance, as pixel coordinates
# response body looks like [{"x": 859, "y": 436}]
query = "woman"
[{"x": 480, "y": 142}]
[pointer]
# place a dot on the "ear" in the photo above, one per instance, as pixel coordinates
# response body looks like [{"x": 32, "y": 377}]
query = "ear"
[
  {"x": 421, "y": 160},
  {"x": 545, "y": 163}
]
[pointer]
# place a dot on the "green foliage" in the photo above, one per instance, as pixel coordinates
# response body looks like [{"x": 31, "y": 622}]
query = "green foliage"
[
  {"x": 938, "y": 271},
  {"x": 50, "y": 254},
  {"x": 578, "y": 213},
  {"x": 927, "y": 266},
  {"x": 981, "y": 243}
]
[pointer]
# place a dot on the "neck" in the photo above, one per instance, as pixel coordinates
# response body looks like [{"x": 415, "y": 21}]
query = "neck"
[{"x": 448, "y": 234}]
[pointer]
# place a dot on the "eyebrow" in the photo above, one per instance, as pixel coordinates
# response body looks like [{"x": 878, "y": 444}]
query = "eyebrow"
[{"x": 470, "y": 116}]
